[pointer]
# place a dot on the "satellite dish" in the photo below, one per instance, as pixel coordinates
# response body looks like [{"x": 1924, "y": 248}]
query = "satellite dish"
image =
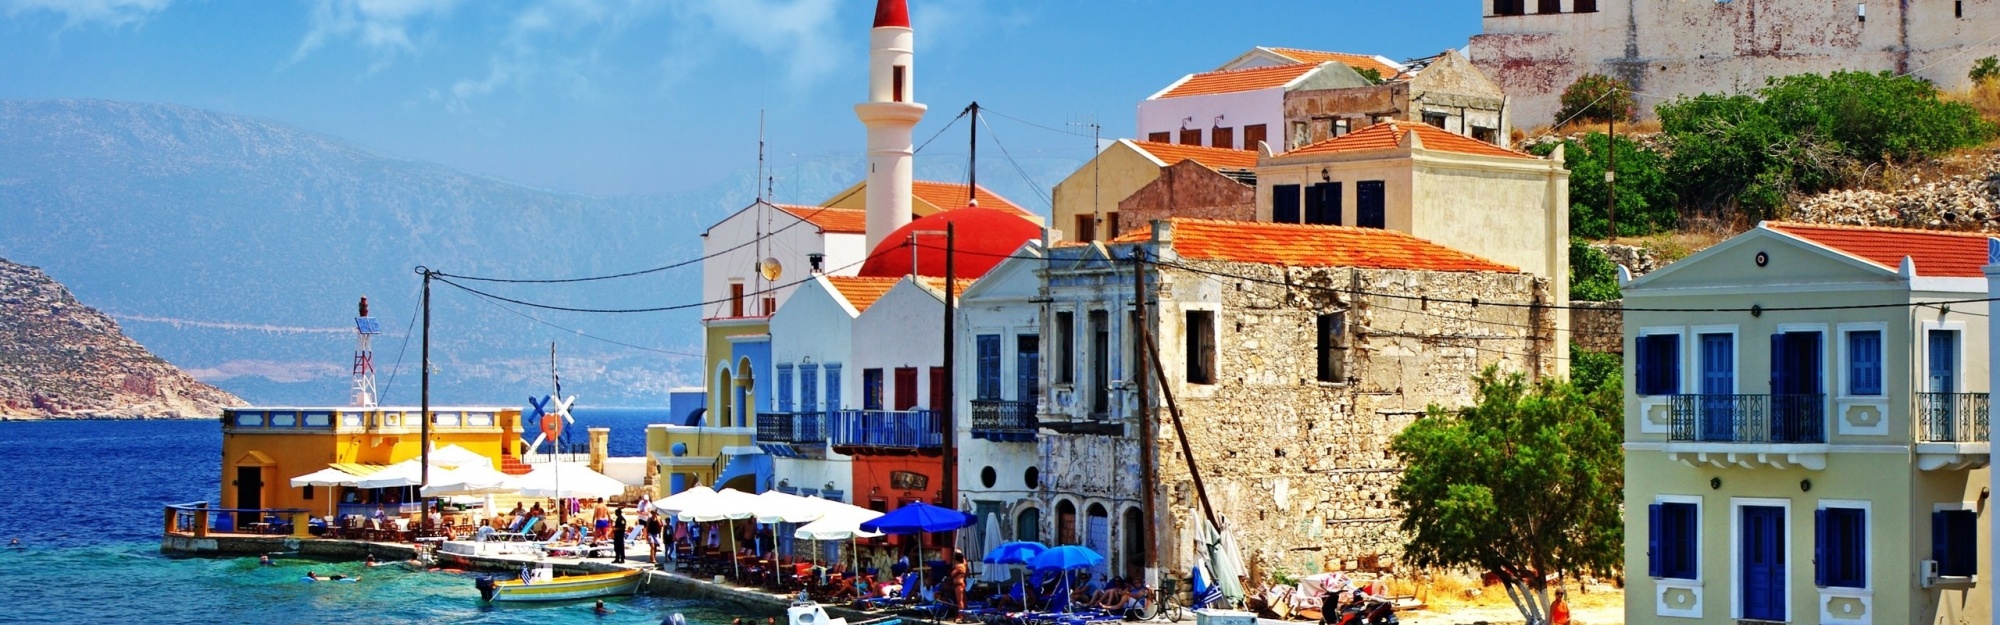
[{"x": 770, "y": 268}]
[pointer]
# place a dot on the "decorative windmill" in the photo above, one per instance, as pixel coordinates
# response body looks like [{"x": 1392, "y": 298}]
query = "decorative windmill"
[{"x": 551, "y": 414}]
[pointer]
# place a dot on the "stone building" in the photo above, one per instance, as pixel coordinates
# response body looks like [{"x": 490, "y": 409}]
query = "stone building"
[
  {"x": 1446, "y": 91},
  {"x": 1670, "y": 48},
  {"x": 1294, "y": 353},
  {"x": 1086, "y": 204},
  {"x": 1189, "y": 189}
]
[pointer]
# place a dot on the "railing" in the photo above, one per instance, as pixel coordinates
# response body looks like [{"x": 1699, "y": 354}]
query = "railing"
[
  {"x": 199, "y": 520},
  {"x": 1951, "y": 417},
  {"x": 791, "y": 427},
  {"x": 880, "y": 430},
  {"x": 1748, "y": 418},
  {"x": 1002, "y": 420},
  {"x": 330, "y": 419}
]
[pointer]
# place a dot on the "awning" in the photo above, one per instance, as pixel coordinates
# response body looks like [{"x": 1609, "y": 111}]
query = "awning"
[
  {"x": 568, "y": 479},
  {"x": 326, "y": 477}
]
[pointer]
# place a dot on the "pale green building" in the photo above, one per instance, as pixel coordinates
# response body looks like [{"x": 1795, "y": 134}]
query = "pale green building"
[{"x": 1806, "y": 430}]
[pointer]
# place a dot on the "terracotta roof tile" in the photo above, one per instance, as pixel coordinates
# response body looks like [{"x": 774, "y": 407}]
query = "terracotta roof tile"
[
  {"x": 1313, "y": 246},
  {"x": 950, "y": 195},
  {"x": 1212, "y": 158},
  {"x": 1235, "y": 80},
  {"x": 836, "y": 220},
  {"x": 937, "y": 284},
  {"x": 1356, "y": 61},
  {"x": 1936, "y": 253},
  {"x": 861, "y": 292},
  {"x": 1387, "y": 135}
]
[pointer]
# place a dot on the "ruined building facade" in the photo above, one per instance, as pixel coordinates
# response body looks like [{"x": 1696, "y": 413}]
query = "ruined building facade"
[{"x": 1668, "y": 48}]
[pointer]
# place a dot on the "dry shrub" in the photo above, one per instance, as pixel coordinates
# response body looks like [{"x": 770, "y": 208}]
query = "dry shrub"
[
  {"x": 1694, "y": 234},
  {"x": 1983, "y": 97}
]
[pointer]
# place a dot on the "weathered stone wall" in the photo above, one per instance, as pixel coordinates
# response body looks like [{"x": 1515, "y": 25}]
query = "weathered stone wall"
[
  {"x": 1302, "y": 467},
  {"x": 1187, "y": 189},
  {"x": 1450, "y": 86},
  {"x": 1598, "y": 326},
  {"x": 1668, "y": 48}
]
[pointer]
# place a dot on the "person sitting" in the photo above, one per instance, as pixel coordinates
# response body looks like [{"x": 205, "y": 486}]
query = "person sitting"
[
  {"x": 1137, "y": 595},
  {"x": 1112, "y": 597},
  {"x": 842, "y": 587}
]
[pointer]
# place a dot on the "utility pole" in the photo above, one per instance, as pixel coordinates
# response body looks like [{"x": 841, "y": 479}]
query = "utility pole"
[
  {"x": 972, "y": 168},
  {"x": 425, "y": 399},
  {"x": 1149, "y": 477},
  {"x": 950, "y": 425},
  {"x": 1611, "y": 178}
]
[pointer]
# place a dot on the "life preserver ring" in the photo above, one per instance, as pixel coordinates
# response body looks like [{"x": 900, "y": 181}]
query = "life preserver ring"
[{"x": 552, "y": 425}]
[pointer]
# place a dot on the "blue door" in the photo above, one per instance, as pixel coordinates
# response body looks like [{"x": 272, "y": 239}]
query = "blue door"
[
  {"x": 1941, "y": 380},
  {"x": 1762, "y": 556},
  {"x": 1718, "y": 383},
  {"x": 1798, "y": 409}
]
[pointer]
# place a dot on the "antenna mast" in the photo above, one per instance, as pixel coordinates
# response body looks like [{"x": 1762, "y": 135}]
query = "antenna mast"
[{"x": 365, "y": 329}]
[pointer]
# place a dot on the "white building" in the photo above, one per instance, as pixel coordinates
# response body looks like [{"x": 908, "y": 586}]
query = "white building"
[
  {"x": 1234, "y": 108},
  {"x": 998, "y": 389},
  {"x": 812, "y": 342}
]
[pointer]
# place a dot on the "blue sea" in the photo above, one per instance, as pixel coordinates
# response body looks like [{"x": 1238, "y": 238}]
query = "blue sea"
[{"x": 84, "y": 498}]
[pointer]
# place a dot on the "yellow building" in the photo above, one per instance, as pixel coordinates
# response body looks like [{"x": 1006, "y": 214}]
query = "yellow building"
[
  {"x": 263, "y": 448},
  {"x": 1086, "y": 203}
]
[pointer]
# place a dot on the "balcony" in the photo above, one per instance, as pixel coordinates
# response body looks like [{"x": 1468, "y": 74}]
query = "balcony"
[
  {"x": 1004, "y": 421},
  {"x": 1748, "y": 430},
  {"x": 886, "y": 433},
  {"x": 792, "y": 434},
  {"x": 1951, "y": 430}
]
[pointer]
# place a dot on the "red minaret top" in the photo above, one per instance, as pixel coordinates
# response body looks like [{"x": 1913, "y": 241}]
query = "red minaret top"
[{"x": 894, "y": 13}]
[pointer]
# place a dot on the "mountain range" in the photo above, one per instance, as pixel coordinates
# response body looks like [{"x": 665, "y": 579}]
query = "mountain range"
[{"x": 236, "y": 248}]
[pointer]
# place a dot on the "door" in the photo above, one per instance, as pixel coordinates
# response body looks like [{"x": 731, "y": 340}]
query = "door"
[
  {"x": 249, "y": 493},
  {"x": 1370, "y": 205},
  {"x": 1762, "y": 556},
  {"x": 1941, "y": 381},
  {"x": 906, "y": 388},
  {"x": 1718, "y": 387},
  {"x": 1097, "y": 537},
  {"x": 1027, "y": 370},
  {"x": 1797, "y": 408}
]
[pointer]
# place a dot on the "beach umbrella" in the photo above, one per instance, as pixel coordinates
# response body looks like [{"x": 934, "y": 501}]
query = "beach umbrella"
[
  {"x": 1017, "y": 552},
  {"x": 1066, "y": 558},
  {"x": 776, "y": 507},
  {"x": 992, "y": 537},
  {"x": 568, "y": 479},
  {"x": 453, "y": 456},
  {"x": 841, "y": 524},
  {"x": 920, "y": 517},
  {"x": 326, "y": 478},
  {"x": 726, "y": 504},
  {"x": 673, "y": 504},
  {"x": 1206, "y": 593},
  {"x": 470, "y": 479}
]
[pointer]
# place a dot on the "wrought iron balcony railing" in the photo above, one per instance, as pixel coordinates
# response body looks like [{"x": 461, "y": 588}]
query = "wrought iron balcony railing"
[
  {"x": 1951, "y": 417},
  {"x": 791, "y": 427},
  {"x": 882, "y": 431},
  {"x": 1747, "y": 418},
  {"x": 1003, "y": 420}
]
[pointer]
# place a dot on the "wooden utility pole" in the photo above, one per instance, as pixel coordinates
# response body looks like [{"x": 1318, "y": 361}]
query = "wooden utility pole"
[
  {"x": 1180, "y": 432},
  {"x": 1149, "y": 434},
  {"x": 424, "y": 447},
  {"x": 1611, "y": 178},
  {"x": 950, "y": 425}
]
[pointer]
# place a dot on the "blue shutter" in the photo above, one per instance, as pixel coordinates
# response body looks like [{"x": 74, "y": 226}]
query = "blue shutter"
[
  {"x": 1823, "y": 556},
  {"x": 1642, "y": 367},
  {"x": 1655, "y": 558},
  {"x": 1780, "y": 383},
  {"x": 989, "y": 366},
  {"x": 1940, "y": 539},
  {"x": 833, "y": 387},
  {"x": 784, "y": 388},
  {"x": 809, "y": 388}
]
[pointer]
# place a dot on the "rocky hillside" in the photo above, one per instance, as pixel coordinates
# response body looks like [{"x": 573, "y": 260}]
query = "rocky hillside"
[
  {"x": 1964, "y": 201},
  {"x": 60, "y": 358}
]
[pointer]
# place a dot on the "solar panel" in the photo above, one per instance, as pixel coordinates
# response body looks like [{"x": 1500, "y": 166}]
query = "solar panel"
[{"x": 367, "y": 325}]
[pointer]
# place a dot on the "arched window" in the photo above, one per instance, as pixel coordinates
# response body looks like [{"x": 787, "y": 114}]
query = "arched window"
[
  {"x": 1028, "y": 525},
  {"x": 1065, "y": 523}
]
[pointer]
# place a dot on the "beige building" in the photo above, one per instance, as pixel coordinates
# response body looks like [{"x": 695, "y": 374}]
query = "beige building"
[
  {"x": 1446, "y": 91},
  {"x": 1670, "y": 48},
  {"x": 1086, "y": 203},
  {"x": 1439, "y": 186},
  {"x": 1806, "y": 431}
]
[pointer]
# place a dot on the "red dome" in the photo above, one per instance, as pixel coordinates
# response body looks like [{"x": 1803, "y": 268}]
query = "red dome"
[
  {"x": 983, "y": 238},
  {"x": 892, "y": 13}
]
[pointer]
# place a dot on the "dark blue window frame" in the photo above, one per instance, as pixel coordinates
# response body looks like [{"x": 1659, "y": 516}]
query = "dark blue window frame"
[
  {"x": 833, "y": 387},
  {"x": 1657, "y": 364},
  {"x": 988, "y": 373},
  {"x": 1673, "y": 540},
  {"x": 1864, "y": 362},
  {"x": 871, "y": 389},
  {"x": 1840, "y": 548},
  {"x": 784, "y": 388},
  {"x": 1955, "y": 542},
  {"x": 809, "y": 388}
]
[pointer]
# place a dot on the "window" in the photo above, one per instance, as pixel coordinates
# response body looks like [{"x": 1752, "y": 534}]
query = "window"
[
  {"x": 1252, "y": 135},
  {"x": 906, "y": 388},
  {"x": 1509, "y": 7},
  {"x": 1160, "y": 137},
  {"x": 896, "y": 83},
  {"x": 1200, "y": 330},
  {"x": 988, "y": 366},
  {"x": 1489, "y": 135},
  {"x": 1957, "y": 9},
  {"x": 1323, "y": 204},
  {"x": 1190, "y": 136},
  {"x": 808, "y": 387},
  {"x": 1840, "y": 555},
  {"x": 871, "y": 389},
  {"x": 1220, "y": 137},
  {"x": 1370, "y": 210},
  {"x": 1657, "y": 364},
  {"x": 1438, "y": 119},
  {"x": 1585, "y": 6},
  {"x": 1027, "y": 368},
  {"x": 833, "y": 387},
  {"x": 1111, "y": 225},
  {"x": 1301, "y": 134},
  {"x": 1285, "y": 203},
  {"x": 937, "y": 387},
  {"x": 1065, "y": 347},
  {"x": 770, "y": 306},
  {"x": 1795, "y": 363},
  {"x": 1332, "y": 347},
  {"x": 309, "y": 491},
  {"x": 1954, "y": 543},
  {"x": 1941, "y": 376},
  {"x": 1100, "y": 362},
  {"x": 736, "y": 299},
  {"x": 1341, "y": 127},
  {"x": 1086, "y": 227},
  {"x": 1672, "y": 540},
  {"x": 1864, "y": 362},
  {"x": 1549, "y": 6},
  {"x": 784, "y": 388}
]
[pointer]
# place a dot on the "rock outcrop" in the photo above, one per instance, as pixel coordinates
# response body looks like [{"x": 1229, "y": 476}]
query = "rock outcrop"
[
  {"x": 1960, "y": 202},
  {"x": 62, "y": 359}
]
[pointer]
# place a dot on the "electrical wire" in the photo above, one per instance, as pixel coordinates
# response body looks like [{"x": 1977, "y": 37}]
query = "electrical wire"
[
  {"x": 1037, "y": 188},
  {"x": 407, "y": 331},
  {"x": 581, "y": 333},
  {"x": 669, "y": 308},
  {"x": 1072, "y": 133}
]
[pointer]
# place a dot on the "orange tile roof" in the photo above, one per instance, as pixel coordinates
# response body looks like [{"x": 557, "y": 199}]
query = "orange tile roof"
[
  {"x": 1356, "y": 61},
  {"x": 1313, "y": 246},
  {"x": 958, "y": 286},
  {"x": 1936, "y": 253},
  {"x": 1387, "y": 135},
  {"x": 859, "y": 291},
  {"x": 950, "y": 195},
  {"x": 1235, "y": 80},
  {"x": 1212, "y": 158},
  {"x": 837, "y": 220}
]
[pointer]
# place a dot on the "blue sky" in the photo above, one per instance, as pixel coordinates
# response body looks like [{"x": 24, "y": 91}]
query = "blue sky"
[{"x": 647, "y": 96}]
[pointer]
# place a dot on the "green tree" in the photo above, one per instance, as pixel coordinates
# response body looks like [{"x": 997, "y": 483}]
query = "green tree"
[
  {"x": 1984, "y": 70},
  {"x": 1646, "y": 198},
  {"x": 1596, "y": 98},
  {"x": 1592, "y": 275},
  {"x": 1373, "y": 75},
  {"x": 1527, "y": 482},
  {"x": 1594, "y": 371}
]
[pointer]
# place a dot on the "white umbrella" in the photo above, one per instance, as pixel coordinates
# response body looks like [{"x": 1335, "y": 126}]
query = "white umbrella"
[
  {"x": 470, "y": 479},
  {"x": 841, "y": 524},
  {"x": 675, "y": 503},
  {"x": 776, "y": 507},
  {"x": 575, "y": 478},
  {"x": 326, "y": 477},
  {"x": 992, "y": 572},
  {"x": 726, "y": 504},
  {"x": 455, "y": 456},
  {"x": 405, "y": 473}
]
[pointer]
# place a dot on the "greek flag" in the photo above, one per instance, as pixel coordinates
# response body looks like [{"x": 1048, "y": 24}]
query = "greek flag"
[{"x": 1206, "y": 593}]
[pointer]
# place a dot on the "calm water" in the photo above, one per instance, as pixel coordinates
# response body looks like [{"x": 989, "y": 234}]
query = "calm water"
[{"x": 84, "y": 499}]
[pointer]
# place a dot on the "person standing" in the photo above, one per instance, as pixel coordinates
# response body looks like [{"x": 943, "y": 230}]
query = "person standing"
[
  {"x": 958, "y": 576},
  {"x": 653, "y": 530},
  {"x": 618, "y": 536}
]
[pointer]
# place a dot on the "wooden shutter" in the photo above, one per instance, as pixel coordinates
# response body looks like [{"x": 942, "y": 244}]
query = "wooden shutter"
[
  {"x": 1221, "y": 137},
  {"x": 937, "y": 389},
  {"x": 1822, "y": 555},
  {"x": 1285, "y": 203},
  {"x": 1252, "y": 135},
  {"x": 1656, "y": 559},
  {"x": 1191, "y": 136},
  {"x": 906, "y": 388},
  {"x": 1086, "y": 228},
  {"x": 1160, "y": 137}
]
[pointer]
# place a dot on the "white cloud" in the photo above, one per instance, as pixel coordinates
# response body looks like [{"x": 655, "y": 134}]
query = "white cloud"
[
  {"x": 382, "y": 26},
  {"x": 111, "y": 12},
  {"x": 799, "y": 33}
]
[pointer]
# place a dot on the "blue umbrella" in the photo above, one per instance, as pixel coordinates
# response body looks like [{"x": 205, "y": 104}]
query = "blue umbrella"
[
  {"x": 1066, "y": 558},
  {"x": 1017, "y": 552},
  {"x": 917, "y": 518}
]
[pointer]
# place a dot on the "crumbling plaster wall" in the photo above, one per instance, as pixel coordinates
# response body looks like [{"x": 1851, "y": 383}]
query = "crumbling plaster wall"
[
  {"x": 1301, "y": 467},
  {"x": 1188, "y": 189},
  {"x": 1668, "y": 48}
]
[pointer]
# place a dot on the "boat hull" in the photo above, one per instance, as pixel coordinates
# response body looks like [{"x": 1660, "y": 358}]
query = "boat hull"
[{"x": 564, "y": 588}]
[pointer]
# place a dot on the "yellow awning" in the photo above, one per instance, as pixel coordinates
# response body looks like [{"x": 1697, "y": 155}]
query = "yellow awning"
[{"x": 357, "y": 469}]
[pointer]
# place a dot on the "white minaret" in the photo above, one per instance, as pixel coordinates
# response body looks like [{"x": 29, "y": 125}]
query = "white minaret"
[{"x": 891, "y": 114}]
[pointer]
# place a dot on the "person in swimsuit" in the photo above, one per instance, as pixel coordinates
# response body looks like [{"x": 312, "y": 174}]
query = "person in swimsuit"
[{"x": 600, "y": 610}]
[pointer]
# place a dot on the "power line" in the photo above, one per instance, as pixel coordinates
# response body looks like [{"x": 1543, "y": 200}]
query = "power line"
[
  {"x": 674, "y": 307},
  {"x": 582, "y": 333},
  {"x": 407, "y": 331},
  {"x": 1048, "y": 128},
  {"x": 1037, "y": 188}
]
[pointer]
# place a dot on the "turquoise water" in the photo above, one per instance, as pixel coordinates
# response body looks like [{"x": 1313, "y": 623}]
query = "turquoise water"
[{"x": 84, "y": 498}]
